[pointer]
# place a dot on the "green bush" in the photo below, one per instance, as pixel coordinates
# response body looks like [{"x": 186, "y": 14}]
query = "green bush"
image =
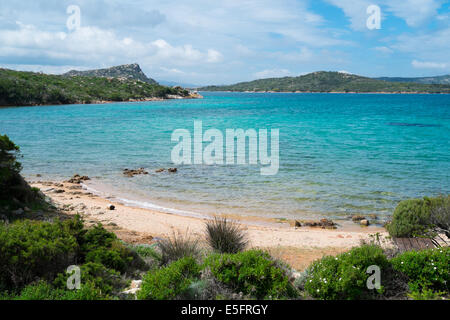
[
  {"x": 169, "y": 282},
  {"x": 412, "y": 217},
  {"x": 344, "y": 276},
  {"x": 426, "y": 269},
  {"x": 253, "y": 273},
  {"x": 31, "y": 250},
  {"x": 101, "y": 246},
  {"x": 224, "y": 236},
  {"x": 107, "y": 281},
  {"x": 44, "y": 291}
]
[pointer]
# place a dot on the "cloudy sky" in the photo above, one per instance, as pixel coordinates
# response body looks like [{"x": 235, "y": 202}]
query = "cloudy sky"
[{"x": 221, "y": 42}]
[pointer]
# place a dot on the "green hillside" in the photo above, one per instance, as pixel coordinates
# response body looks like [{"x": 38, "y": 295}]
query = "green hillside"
[
  {"x": 330, "y": 82},
  {"x": 29, "y": 89}
]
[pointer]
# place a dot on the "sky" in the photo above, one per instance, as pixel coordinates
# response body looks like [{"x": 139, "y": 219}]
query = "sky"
[{"x": 222, "y": 42}]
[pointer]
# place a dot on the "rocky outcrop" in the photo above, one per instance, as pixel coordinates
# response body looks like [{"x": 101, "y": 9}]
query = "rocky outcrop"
[
  {"x": 132, "y": 173},
  {"x": 322, "y": 223},
  {"x": 77, "y": 179}
]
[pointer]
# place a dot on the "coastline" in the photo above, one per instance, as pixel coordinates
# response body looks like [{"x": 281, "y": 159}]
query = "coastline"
[
  {"x": 329, "y": 92},
  {"x": 298, "y": 246},
  {"x": 191, "y": 96}
]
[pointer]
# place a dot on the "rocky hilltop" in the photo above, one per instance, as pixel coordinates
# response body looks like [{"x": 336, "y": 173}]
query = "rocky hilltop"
[{"x": 126, "y": 71}]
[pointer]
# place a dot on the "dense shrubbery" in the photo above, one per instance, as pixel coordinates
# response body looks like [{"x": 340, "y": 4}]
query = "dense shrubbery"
[
  {"x": 31, "y": 250},
  {"x": 412, "y": 217},
  {"x": 344, "y": 276},
  {"x": 26, "y": 88},
  {"x": 253, "y": 273},
  {"x": 169, "y": 282},
  {"x": 224, "y": 236},
  {"x": 329, "y": 82},
  {"x": 427, "y": 269},
  {"x": 42, "y": 251}
]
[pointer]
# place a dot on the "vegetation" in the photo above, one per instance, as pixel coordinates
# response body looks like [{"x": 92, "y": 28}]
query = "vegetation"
[
  {"x": 253, "y": 273},
  {"x": 413, "y": 217},
  {"x": 224, "y": 236},
  {"x": 169, "y": 282},
  {"x": 426, "y": 270},
  {"x": 330, "y": 82},
  {"x": 178, "y": 247},
  {"x": 344, "y": 277},
  {"x": 30, "y": 89}
]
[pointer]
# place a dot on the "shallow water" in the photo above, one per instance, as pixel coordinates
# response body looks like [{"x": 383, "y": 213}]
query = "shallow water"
[{"x": 340, "y": 154}]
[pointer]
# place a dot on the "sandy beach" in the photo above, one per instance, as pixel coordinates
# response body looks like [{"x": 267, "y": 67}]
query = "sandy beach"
[{"x": 297, "y": 246}]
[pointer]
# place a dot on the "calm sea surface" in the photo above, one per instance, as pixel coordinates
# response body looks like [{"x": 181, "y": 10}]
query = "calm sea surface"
[{"x": 340, "y": 154}]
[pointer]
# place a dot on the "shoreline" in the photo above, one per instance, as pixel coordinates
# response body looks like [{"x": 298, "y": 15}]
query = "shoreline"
[
  {"x": 299, "y": 246},
  {"x": 327, "y": 92},
  {"x": 97, "y": 102}
]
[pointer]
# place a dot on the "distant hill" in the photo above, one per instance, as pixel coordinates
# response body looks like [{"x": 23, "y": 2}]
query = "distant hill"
[
  {"x": 127, "y": 71},
  {"x": 28, "y": 89},
  {"x": 323, "y": 81},
  {"x": 178, "y": 84},
  {"x": 425, "y": 80}
]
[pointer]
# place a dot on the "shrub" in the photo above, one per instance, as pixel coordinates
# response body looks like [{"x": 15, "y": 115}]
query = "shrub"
[
  {"x": 344, "y": 276},
  {"x": 8, "y": 163},
  {"x": 107, "y": 281},
  {"x": 440, "y": 217},
  {"x": 44, "y": 291},
  {"x": 171, "y": 281},
  {"x": 101, "y": 246},
  {"x": 412, "y": 217},
  {"x": 426, "y": 269},
  {"x": 177, "y": 247},
  {"x": 252, "y": 272},
  {"x": 224, "y": 236},
  {"x": 31, "y": 250}
]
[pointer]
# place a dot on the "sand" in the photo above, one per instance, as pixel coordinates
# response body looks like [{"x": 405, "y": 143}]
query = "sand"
[{"x": 297, "y": 246}]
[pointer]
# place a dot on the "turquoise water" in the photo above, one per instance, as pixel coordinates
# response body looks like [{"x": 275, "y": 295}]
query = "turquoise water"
[{"x": 340, "y": 154}]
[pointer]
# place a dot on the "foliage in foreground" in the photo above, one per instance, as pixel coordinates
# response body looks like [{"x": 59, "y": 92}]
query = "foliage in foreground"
[
  {"x": 223, "y": 236},
  {"x": 344, "y": 276},
  {"x": 426, "y": 269},
  {"x": 33, "y": 250},
  {"x": 169, "y": 282},
  {"x": 177, "y": 247},
  {"x": 253, "y": 272}
]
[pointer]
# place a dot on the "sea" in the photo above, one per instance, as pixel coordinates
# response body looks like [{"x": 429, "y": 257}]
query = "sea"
[{"x": 339, "y": 154}]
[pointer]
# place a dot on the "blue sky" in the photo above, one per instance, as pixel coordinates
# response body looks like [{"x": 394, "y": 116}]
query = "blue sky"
[{"x": 221, "y": 42}]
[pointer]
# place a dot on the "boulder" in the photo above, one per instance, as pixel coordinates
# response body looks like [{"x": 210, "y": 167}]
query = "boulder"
[
  {"x": 364, "y": 222},
  {"x": 111, "y": 207},
  {"x": 172, "y": 170},
  {"x": 18, "y": 212},
  {"x": 77, "y": 179},
  {"x": 160, "y": 170}
]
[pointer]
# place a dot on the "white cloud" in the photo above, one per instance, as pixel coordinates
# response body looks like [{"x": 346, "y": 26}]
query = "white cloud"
[
  {"x": 92, "y": 45},
  {"x": 429, "y": 65},
  {"x": 272, "y": 73},
  {"x": 414, "y": 12}
]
